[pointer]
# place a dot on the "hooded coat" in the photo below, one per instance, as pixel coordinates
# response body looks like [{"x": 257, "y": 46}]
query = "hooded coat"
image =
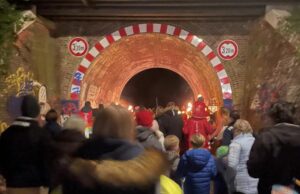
[
  {"x": 198, "y": 167},
  {"x": 275, "y": 156},
  {"x": 114, "y": 166},
  {"x": 239, "y": 151},
  {"x": 147, "y": 138},
  {"x": 170, "y": 123}
]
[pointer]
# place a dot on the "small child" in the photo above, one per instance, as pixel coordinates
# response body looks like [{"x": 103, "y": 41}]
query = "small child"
[
  {"x": 197, "y": 166},
  {"x": 171, "y": 144},
  {"x": 224, "y": 181}
]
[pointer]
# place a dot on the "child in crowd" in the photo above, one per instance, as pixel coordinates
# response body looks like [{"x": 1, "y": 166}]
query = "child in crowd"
[
  {"x": 197, "y": 166},
  {"x": 171, "y": 145},
  {"x": 224, "y": 181}
]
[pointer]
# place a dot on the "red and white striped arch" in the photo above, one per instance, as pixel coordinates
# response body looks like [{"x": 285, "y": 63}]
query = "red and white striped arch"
[{"x": 197, "y": 42}]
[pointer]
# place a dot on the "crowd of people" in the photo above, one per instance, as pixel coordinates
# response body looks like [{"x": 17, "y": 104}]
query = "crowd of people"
[{"x": 149, "y": 152}]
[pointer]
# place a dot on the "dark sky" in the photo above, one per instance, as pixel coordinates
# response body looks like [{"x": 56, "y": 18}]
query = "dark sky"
[{"x": 143, "y": 88}]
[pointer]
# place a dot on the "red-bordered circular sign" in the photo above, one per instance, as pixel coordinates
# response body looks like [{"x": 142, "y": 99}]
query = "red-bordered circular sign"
[
  {"x": 78, "y": 46},
  {"x": 228, "y": 49}
]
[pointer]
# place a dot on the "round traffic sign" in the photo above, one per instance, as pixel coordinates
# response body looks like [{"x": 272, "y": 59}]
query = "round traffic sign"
[
  {"x": 78, "y": 46},
  {"x": 228, "y": 49}
]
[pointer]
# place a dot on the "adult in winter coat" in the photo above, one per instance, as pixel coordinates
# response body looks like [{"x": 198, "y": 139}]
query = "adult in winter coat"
[
  {"x": 170, "y": 123},
  {"x": 23, "y": 149},
  {"x": 275, "y": 155},
  {"x": 198, "y": 123},
  {"x": 239, "y": 151},
  {"x": 147, "y": 138},
  {"x": 228, "y": 131},
  {"x": 198, "y": 167},
  {"x": 122, "y": 166},
  {"x": 66, "y": 143},
  {"x": 144, "y": 134}
]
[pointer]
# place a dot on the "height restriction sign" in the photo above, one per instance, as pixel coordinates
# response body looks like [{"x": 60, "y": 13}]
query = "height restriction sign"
[
  {"x": 228, "y": 49},
  {"x": 78, "y": 46}
]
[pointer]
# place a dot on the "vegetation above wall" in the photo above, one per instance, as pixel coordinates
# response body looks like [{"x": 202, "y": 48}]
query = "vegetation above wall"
[{"x": 290, "y": 27}]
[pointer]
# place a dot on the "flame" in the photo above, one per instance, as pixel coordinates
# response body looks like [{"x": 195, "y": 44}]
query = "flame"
[{"x": 130, "y": 108}]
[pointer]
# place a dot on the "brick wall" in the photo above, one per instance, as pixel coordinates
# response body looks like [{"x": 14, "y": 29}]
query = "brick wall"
[{"x": 212, "y": 33}]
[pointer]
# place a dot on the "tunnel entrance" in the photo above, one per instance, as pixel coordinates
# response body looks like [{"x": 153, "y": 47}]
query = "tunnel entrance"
[
  {"x": 118, "y": 57},
  {"x": 157, "y": 86}
]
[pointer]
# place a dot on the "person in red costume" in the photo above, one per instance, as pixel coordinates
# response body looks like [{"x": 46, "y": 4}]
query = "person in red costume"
[
  {"x": 198, "y": 123},
  {"x": 87, "y": 113}
]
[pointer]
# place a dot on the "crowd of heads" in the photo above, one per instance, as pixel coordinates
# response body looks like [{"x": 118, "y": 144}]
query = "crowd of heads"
[{"x": 116, "y": 122}]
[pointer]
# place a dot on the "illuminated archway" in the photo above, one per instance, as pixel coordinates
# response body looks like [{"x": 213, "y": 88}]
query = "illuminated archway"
[{"x": 202, "y": 70}]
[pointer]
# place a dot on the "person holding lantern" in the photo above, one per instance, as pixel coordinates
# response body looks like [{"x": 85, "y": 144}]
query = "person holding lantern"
[{"x": 198, "y": 123}]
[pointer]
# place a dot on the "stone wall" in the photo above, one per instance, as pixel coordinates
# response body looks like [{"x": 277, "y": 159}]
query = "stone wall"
[
  {"x": 272, "y": 73},
  {"x": 37, "y": 52}
]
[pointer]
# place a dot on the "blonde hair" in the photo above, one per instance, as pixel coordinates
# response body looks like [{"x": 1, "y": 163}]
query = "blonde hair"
[
  {"x": 197, "y": 140},
  {"x": 75, "y": 123},
  {"x": 171, "y": 143},
  {"x": 242, "y": 126},
  {"x": 114, "y": 121}
]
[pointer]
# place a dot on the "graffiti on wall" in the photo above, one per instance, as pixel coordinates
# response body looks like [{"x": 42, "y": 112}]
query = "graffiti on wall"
[
  {"x": 22, "y": 83},
  {"x": 265, "y": 95},
  {"x": 19, "y": 83},
  {"x": 3, "y": 126}
]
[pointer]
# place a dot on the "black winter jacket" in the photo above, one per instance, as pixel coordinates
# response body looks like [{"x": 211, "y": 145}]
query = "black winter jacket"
[
  {"x": 228, "y": 134},
  {"x": 23, "y": 154},
  {"x": 275, "y": 156},
  {"x": 170, "y": 123}
]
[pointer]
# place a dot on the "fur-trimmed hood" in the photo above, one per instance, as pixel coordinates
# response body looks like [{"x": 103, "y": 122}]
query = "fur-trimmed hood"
[{"x": 139, "y": 172}]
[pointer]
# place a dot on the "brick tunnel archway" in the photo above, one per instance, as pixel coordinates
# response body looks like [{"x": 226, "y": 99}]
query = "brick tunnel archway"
[{"x": 130, "y": 50}]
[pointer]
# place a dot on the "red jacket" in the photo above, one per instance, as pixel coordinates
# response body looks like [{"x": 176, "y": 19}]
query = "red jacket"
[
  {"x": 87, "y": 117},
  {"x": 198, "y": 126},
  {"x": 200, "y": 110}
]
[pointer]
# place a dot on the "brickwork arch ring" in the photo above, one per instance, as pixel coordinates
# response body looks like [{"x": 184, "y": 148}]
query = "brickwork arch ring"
[{"x": 194, "y": 40}]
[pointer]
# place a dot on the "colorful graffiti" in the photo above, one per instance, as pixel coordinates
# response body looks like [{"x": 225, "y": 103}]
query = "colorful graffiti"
[
  {"x": 19, "y": 83},
  {"x": 22, "y": 83},
  {"x": 265, "y": 95}
]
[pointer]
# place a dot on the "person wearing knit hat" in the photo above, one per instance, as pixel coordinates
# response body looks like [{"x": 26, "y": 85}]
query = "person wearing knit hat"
[
  {"x": 145, "y": 136},
  {"x": 23, "y": 149},
  {"x": 144, "y": 118},
  {"x": 222, "y": 151}
]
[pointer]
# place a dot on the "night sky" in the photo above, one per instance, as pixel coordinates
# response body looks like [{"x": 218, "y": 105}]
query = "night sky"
[{"x": 143, "y": 88}]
